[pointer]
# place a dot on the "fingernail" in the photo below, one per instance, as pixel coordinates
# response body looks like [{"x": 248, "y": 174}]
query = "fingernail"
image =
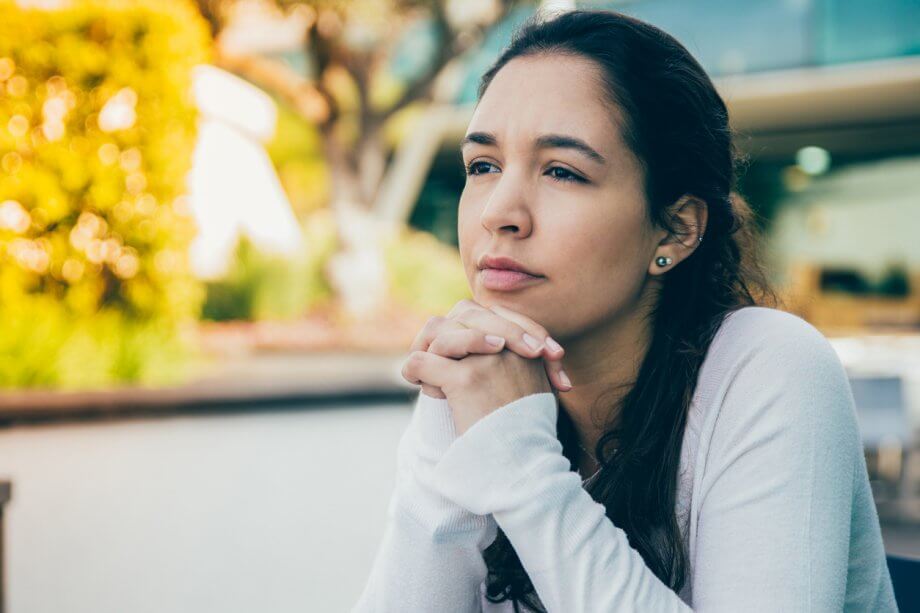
[
  {"x": 498, "y": 341},
  {"x": 552, "y": 344},
  {"x": 565, "y": 378},
  {"x": 534, "y": 343}
]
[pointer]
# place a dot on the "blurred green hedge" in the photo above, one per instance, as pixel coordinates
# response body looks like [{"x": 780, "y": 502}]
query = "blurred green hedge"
[
  {"x": 97, "y": 130},
  {"x": 424, "y": 275},
  {"x": 260, "y": 286}
]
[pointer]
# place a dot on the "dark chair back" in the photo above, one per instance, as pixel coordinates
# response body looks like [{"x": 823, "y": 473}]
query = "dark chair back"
[{"x": 905, "y": 577}]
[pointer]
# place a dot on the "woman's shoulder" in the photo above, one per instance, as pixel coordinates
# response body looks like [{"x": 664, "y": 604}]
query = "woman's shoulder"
[
  {"x": 767, "y": 324},
  {"x": 769, "y": 336},
  {"x": 769, "y": 364}
]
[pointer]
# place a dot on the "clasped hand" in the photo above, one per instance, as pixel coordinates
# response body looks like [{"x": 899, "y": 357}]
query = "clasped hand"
[{"x": 452, "y": 357}]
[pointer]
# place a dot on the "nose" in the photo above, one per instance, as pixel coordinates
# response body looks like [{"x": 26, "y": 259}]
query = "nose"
[{"x": 506, "y": 209}]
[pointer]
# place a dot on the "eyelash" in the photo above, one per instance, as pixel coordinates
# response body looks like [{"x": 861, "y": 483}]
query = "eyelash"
[{"x": 572, "y": 178}]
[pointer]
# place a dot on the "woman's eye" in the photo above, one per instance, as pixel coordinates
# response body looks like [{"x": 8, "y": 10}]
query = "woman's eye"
[
  {"x": 471, "y": 168},
  {"x": 564, "y": 175},
  {"x": 557, "y": 173}
]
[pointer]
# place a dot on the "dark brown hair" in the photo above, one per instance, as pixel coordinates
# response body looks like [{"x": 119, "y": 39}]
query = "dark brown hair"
[{"x": 677, "y": 126}]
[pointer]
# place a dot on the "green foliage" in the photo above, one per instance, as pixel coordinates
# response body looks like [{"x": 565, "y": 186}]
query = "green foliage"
[
  {"x": 425, "y": 274},
  {"x": 260, "y": 286},
  {"x": 97, "y": 130},
  {"x": 296, "y": 152}
]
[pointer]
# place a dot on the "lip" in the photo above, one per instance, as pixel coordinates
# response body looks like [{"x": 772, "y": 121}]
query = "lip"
[
  {"x": 505, "y": 263},
  {"x": 504, "y": 280}
]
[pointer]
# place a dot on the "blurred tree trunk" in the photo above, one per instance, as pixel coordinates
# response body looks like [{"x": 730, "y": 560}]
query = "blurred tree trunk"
[{"x": 346, "y": 44}]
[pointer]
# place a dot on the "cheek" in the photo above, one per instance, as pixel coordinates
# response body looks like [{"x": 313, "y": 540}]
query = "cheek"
[
  {"x": 605, "y": 265},
  {"x": 464, "y": 220},
  {"x": 468, "y": 234},
  {"x": 602, "y": 241},
  {"x": 613, "y": 248}
]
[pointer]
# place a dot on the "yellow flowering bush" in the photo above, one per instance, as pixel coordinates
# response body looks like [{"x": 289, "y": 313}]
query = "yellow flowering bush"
[{"x": 97, "y": 130}]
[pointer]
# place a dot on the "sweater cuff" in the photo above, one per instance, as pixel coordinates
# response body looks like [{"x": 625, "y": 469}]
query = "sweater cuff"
[
  {"x": 432, "y": 426},
  {"x": 430, "y": 433},
  {"x": 499, "y": 450}
]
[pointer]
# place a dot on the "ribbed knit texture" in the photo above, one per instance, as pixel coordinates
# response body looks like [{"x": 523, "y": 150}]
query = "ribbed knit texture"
[{"x": 773, "y": 498}]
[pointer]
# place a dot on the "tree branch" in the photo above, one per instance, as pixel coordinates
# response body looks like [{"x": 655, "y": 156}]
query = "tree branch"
[
  {"x": 448, "y": 49},
  {"x": 308, "y": 100}
]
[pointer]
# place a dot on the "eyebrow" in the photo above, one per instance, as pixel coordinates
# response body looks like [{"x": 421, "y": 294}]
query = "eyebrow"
[{"x": 547, "y": 141}]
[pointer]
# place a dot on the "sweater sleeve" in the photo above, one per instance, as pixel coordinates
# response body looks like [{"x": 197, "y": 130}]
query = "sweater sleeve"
[
  {"x": 510, "y": 464},
  {"x": 430, "y": 557}
]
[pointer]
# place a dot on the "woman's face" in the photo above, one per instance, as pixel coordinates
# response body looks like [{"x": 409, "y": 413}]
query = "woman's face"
[{"x": 535, "y": 193}]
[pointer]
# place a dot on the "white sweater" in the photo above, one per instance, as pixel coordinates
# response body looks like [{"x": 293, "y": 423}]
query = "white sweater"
[{"x": 773, "y": 501}]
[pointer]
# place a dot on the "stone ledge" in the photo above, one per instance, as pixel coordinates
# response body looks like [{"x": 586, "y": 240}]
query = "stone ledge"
[{"x": 235, "y": 384}]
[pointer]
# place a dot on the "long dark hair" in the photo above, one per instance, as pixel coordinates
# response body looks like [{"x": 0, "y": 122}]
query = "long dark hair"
[{"x": 677, "y": 126}]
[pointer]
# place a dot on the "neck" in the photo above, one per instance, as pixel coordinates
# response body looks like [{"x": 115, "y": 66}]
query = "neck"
[
  {"x": 587, "y": 466},
  {"x": 602, "y": 364}
]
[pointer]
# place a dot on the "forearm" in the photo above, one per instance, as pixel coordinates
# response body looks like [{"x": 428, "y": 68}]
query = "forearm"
[
  {"x": 430, "y": 557},
  {"x": 577, "y": 559},
  {"x": 510, "y": 464}
]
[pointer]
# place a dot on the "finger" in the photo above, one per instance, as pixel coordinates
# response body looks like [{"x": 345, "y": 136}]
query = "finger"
[
  {"x": 423, "y": 367},
  {"x": 489, "y": 322},
  {"x": 437, "y": 324},
  {"x": 554, "y": 350},
  {"x": 427, "y": 333},
  {"x": 552, "y": 360},
  {"x": 461, "y": 343},
  {"x": 556, "y": 375},
  {"x": 434, "y": 326},
  {"x": 464, "y": 305},
  {"x": 458, "y": 344},
  {"x": 432, "y": 391}
]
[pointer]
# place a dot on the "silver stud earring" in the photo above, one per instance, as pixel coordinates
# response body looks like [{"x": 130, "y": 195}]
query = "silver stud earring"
[
  {"x": 701, "y": 239},
  {"x": 662, "y": 260}
]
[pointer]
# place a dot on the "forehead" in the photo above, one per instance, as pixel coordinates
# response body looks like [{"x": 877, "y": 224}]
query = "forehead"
[{"x": 544, "y": 93}]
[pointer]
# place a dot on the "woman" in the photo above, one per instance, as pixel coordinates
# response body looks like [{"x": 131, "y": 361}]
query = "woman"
[{"x": 690, "y": 448}]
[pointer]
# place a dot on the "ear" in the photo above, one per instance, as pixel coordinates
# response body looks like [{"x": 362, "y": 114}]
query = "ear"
[{"x": 688, "y": 215}]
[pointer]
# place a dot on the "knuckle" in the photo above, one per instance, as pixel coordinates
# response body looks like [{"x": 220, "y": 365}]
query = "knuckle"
[
  {"x": 438, "y": 346},
  {"x": 527, "y": 324},
  {"x": 419, "y": 341},
  {"x": 473, "y": 318},
  {"x": 460, "y": 306},
  {"x": 411, "y": 364},
  {"x": 433, "y": 322},
  {"x": 428, "y": 331}
]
